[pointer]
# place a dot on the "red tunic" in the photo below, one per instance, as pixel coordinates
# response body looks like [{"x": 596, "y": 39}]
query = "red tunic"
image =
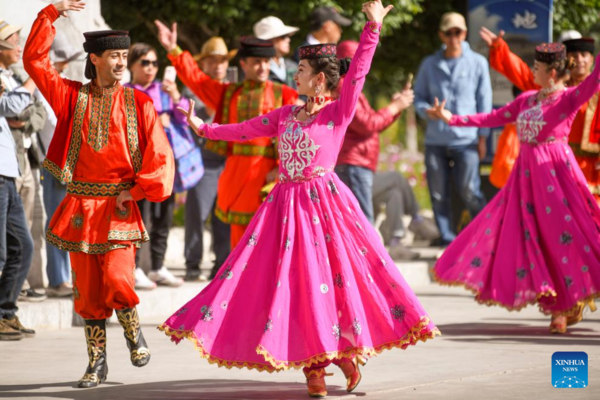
[
  {"x": 248, "y": 163},
  {"x": 106, "y": 141}
]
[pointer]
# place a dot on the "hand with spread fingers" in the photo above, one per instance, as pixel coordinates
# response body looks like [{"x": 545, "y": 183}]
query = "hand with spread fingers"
[
  {"x": 489, "y": 37},
  {"x": 439, "y": 112},
  {"x": 68, "y": 5},
  {"x": 375, "y": 11},
  {"x": 167, "y": 37},
  {"x": 193, "y": 121}
]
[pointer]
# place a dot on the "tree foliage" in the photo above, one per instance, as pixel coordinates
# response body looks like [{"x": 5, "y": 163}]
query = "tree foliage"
[{"x": 409, "y": 34}]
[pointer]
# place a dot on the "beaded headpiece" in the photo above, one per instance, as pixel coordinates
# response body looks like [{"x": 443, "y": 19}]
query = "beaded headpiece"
[
  {"x": 324, "y": 50},
  {"x": 550, "y": 52}
]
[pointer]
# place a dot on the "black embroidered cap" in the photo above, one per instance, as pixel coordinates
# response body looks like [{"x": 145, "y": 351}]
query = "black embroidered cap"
[
  {"x": 254, "y": 47},
  {"x": 583, "y": 44},
  {"x": 323, "y": 50},
  {"x": 550, "y": 52},
  {"x": 98, "y": 41}
]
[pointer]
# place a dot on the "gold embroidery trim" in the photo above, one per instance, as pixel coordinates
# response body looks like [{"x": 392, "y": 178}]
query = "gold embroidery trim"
[
  {"x": 97, "y": 189},
  {"x": 88, "y": 248},
  {"x": 99, "y": 119},
  {"x": 130, "y": 322},
  {"x": 132, "y": 129},
  {"x": 412, "y": 337},
  {"x": 96, "y": 342}
]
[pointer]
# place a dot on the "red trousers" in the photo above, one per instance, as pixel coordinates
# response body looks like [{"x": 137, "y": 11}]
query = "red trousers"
[
  {"x": 104, "y": 282},
  {"x": 237, "y": 231}
]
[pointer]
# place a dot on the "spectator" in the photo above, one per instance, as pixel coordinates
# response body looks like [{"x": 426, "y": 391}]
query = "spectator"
[
  {"x": 461, "y": 77},
  {"x": 393, "y": 190},
  {"x": 16, "y": 244},
  {"x": 273, "y": 29},
  {"x": 201, "y": 199},
  {"x": 23, "y": 127},
  {"x": 143, "y": 65},
  {"x": 325, "y": 27}
]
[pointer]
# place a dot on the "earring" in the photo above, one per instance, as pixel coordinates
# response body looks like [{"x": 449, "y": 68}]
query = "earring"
[{"x": 318, "y": 89}]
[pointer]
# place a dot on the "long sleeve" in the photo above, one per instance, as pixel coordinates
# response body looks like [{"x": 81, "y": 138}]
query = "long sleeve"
[
  {"x": 37, "y": 118},
  {"x": 483, "y": 95},
  {"x": 367, "y": 120},
  {"x": 155, "y": 179},
  {"x": 511, "y": 66},
  {"x": 36, "y": 59},
  {"x": 345, "y": 106},
  {"x": 261, "y": 126},
  {"x": 498, "y": 117},
  {"x": 421, "y": 90},
  {"x": 208, "y": 90},
  {"x": 13, "y": 103},
  {"x": 583, "y": 93}
]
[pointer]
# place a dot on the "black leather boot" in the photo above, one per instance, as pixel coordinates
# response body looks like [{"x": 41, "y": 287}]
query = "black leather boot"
[
  {"x": 97, "y": 370},
  {"x": 138, "y": 349}
]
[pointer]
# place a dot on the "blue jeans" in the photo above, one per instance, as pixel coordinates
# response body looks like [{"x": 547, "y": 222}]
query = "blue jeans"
[
  {"x": 16, "y": 247},
  {"x": 360, "y": 181},
  {"x": 465, "y": 173},
  {"x": 59, "y": 266}
]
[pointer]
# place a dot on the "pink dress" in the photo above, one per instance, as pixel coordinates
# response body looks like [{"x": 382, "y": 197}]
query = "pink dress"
[
  {"x": 310, "y": 281},
  {"x": 538, "y": 240}
]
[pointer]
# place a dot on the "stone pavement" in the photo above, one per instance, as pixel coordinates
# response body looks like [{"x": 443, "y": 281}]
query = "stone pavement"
[{"x": 484, "y": 353}]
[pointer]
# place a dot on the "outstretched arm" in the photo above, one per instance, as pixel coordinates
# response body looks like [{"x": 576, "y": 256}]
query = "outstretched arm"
[
  {"x": 506, "y": 62},
  {"x": 36, "y": 59},
  {"x": 345, "y": 106},
  {"x": 498, "y": 117},
  {"x": 207, "y": 89},
  {"x": 261, "y": 126}
]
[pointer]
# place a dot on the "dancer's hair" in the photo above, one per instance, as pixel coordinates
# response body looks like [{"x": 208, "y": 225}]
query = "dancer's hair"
[
  {"x": 562, "y": 67},
  {"x": 332, "y": 67},
  {"x": 90, "y": 69}
]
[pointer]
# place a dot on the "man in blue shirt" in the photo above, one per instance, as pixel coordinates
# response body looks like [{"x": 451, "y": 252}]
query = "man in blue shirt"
[
  {"x": 461, "y": 77},
  {"x": 16, "y": 244}
]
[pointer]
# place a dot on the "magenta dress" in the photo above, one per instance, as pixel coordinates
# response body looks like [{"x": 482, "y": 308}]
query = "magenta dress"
[
  {"x": 538, "y": 240},
  {"x": 310, "y": 280}
]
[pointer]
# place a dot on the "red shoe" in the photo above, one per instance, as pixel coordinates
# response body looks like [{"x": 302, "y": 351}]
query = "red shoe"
[
  {"x": 315, "y": 380},
  {"x": 352, "y": 372}
]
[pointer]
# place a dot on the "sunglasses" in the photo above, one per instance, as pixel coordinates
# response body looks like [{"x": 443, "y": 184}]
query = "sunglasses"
[
  {"x": 146, "y": 63},
  {"x": 453, "y": 32}
]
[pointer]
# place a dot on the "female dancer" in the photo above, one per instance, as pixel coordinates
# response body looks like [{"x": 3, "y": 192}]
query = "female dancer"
[
  {"x": 310, "y": 283},
  {"x": 539, "y": 238}
]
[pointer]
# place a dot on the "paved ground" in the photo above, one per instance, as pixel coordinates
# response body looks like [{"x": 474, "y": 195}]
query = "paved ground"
[{"x": 484, "y": 353}]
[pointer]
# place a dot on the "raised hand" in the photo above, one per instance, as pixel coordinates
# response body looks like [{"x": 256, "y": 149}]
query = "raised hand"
[
  {"x": 439, "y": 112},
  {"x": 375, "y": 11},
  {"x": 167, "y": 37},
  {"x": 193, "y": 121},
  {"x": 490, "y": 37},
  {"x": 68, "y": 5}
]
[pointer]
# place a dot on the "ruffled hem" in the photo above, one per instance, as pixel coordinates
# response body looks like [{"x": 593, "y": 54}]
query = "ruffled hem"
[
  {"x": 414, "y": 336},
  {"x": 549, "y": 293}
]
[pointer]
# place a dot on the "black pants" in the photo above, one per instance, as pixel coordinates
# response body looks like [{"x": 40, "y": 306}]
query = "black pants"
[
  {"x": 160, "y": 216},
  {"x": 199, "y": 206}
]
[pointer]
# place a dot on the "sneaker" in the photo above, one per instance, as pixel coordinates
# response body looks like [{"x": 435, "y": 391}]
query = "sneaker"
[
  {"x": 31, "y": 296},
  {"x": 424, "y": 229},
  {"x": 17, "y": 326},
  {"x": 142, "y": 282},
  {"x": 164, "y": 277},
  {"x": 400, "y": 252},
  {"x": 63, "y": 290},
  {"x": 9, "y": 333}
]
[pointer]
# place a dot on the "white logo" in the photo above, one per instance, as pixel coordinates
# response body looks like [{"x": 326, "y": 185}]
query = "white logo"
[
  {"x": 570, "y": 382},
  {"x": 525, "y": 21}
]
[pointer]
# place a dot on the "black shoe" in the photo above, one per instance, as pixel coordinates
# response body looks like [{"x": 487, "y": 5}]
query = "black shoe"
[
  {"x": 138, "y": 349},
  {"x": 192, "y": 275},
  {"x": 97, "y": 369},
  {"x": 18, "y": 326},
  {"x": 31, "y": 296}
]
